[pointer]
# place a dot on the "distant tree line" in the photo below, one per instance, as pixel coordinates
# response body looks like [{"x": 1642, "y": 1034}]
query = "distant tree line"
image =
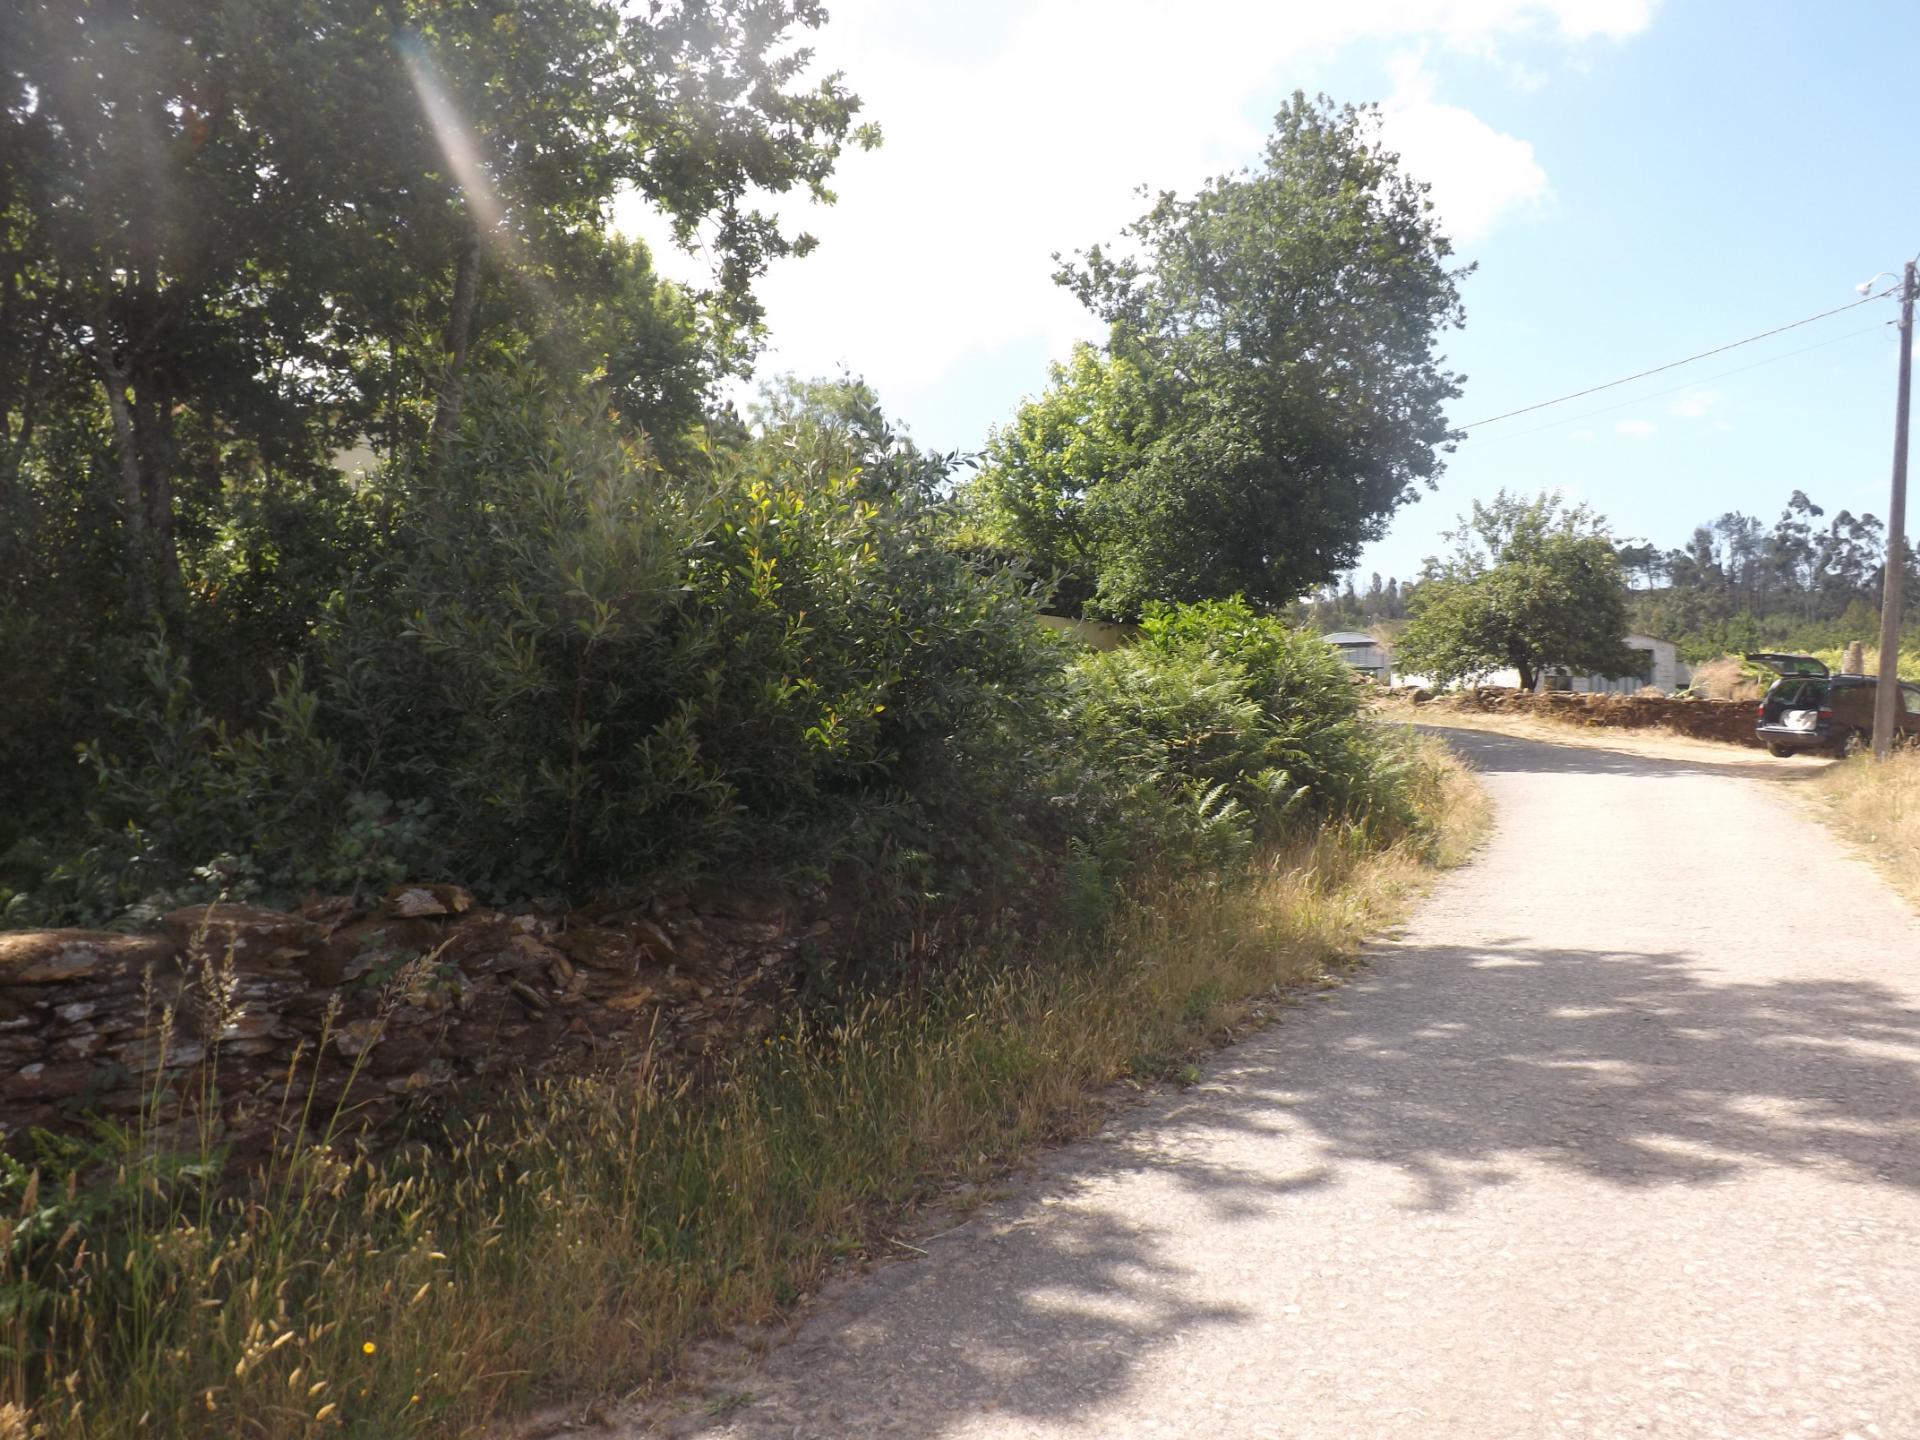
[
  {"x": 1809, "y": 581},
  {"x": 1345, "y": 607}
]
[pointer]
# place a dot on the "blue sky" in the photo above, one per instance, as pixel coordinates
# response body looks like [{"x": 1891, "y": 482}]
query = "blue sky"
[{"x": 1637, "y": 181}]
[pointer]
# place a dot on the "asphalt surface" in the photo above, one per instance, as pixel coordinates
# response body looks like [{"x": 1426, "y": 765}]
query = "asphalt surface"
[{"x": 1620, "y": 1137}]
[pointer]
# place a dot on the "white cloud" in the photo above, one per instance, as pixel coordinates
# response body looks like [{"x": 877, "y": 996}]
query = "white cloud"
[
  {"x": 1633, "y": 429},
  {"x": 1034, "y": 141},
  {"x": 1607, "y": 19},
  {"x": 1694, "y": 403},
  {"x": 1478, "y": 175}
]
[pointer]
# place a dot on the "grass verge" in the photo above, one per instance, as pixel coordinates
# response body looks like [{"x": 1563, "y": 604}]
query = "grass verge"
[
  {"x": 580, "y": 1239},
  {"x": 1878, "y": 806}
]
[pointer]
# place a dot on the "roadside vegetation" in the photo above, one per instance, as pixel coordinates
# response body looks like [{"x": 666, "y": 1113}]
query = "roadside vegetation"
[
  {"x": 581, "y": 1237},
  {"x": 371, "y": 511},
  {"x": 1878, "y": 806}
]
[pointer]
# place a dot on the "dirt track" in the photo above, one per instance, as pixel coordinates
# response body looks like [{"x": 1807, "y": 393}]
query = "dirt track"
[{"x": 1621, "y": 1137}]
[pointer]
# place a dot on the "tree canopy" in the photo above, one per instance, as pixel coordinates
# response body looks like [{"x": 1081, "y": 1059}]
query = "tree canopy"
[
  {"x": 1270, "y": 391},
  {"x": 282, "y": 226},
  {"x": 1530, "y": 583}
]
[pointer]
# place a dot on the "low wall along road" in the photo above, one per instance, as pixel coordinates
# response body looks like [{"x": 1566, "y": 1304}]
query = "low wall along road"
[
  {"x": 426, "y": 997},
  {"x": 1728, "y": 720}
]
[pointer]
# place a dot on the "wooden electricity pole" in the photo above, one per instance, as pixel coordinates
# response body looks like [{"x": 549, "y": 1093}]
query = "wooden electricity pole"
[{"x": 1887, "y": 690}]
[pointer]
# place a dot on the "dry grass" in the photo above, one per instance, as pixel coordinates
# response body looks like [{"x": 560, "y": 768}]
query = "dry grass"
[
  {"x": 1729, "y": 678},
  {"x": 1878, "y": 805},
  {"x": 578, "y": 1241}
]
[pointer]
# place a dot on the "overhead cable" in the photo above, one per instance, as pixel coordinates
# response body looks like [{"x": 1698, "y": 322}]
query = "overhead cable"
[
  {"x": 1676, "y": 364},
  {"x": 1681, "y": 389}
]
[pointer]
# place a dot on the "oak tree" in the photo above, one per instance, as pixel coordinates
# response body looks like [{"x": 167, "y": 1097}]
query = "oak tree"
[
  {"x": 1530, "y": 583},
  {"x": 276, "y": 221},
  {"x": 1271, "y": 389}
]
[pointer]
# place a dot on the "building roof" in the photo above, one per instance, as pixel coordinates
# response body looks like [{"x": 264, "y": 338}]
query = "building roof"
[{"x": 1349, "y": 637}]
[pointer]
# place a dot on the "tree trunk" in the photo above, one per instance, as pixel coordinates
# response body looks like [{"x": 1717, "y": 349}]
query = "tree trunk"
[
  {"x": 153, "y": 432},
  {"x": 1527, "y": 676},
  {"x": 459, "y": 337},
  {"x": 141, "y": 405},
  {"x": 133, "y": 509},
  {"x": 29, "y": 409}
]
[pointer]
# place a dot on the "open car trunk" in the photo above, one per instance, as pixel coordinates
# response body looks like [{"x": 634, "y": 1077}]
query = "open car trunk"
[{"x": 1786, "y": 665}]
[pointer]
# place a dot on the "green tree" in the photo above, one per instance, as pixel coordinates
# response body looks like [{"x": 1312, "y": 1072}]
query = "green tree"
[
  {"x": 1530, "y": 583},
  {"x": 266, "y": 219},
  {"x": 1039, "y": 473},
  {"x": 1271, "y": 389}
]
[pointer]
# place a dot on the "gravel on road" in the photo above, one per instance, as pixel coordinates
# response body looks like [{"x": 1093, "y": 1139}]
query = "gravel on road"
[{"x": 1620, "y": 1136}]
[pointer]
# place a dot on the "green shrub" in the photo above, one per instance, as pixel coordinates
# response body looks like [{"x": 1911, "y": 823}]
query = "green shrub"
[
  {"x": 1221, "y": 727},
  {"x": 572, "y": 674},
  {"x": 185, "y": 809},
  {"x": 566, "y": 673},
  {"x": 600, "y": 674},
  {"x": 261, "y": 549}
]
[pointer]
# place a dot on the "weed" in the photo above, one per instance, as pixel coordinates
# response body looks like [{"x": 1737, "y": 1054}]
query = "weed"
[{"x": 576, "y": 1240}]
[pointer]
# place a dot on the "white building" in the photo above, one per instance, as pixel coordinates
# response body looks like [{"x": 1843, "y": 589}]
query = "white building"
[
  {"x": 1665, "y": 673},
  {"x": 1363, "y": 653}
]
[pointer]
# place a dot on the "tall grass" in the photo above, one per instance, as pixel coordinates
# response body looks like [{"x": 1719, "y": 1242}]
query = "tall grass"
[
  {"x": 1878, "y": 804},
  {"x": 1728, "y": 677},
  {"x": 576, "y": 1240}
]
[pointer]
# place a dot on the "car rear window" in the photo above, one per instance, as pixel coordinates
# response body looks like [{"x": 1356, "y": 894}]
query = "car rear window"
[{"x": 1791, "y": 692}]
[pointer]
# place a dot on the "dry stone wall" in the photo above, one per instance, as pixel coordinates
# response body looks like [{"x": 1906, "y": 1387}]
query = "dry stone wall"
[
  {"x": 1731, "y": 721},
  {"x": 426, "y": 996}
]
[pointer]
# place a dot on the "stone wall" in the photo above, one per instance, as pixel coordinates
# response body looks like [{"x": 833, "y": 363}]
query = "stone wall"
[
  {"x": 1731, "y": 721},
  {"x": 426, "y": 996}
]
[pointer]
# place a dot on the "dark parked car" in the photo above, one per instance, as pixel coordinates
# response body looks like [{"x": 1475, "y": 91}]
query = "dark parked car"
[{"x": 1810, "y": 708}]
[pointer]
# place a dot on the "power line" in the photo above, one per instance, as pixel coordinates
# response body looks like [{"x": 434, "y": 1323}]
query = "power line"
[
  {"x": 1678, "y": 389},
  {"x": 1676, "y": 364}
]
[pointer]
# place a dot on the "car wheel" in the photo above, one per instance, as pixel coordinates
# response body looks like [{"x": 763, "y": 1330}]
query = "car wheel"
[{"x": 1779, "y": 752}]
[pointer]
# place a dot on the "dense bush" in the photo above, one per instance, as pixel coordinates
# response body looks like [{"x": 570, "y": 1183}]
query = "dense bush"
[
  {"x": 596, "y": 672},
  {"x": 261, "y": 554},
  {"x": 1222, "y": 726},
  {"x": 564, "y": 672},
  {"x": 569, "y": 673}
]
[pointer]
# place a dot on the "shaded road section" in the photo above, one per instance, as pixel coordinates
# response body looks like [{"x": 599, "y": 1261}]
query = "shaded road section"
[{"x": 1620, "y": 1137}]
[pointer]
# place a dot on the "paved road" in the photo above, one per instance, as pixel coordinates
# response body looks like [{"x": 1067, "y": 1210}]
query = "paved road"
[{"x": 1621, "y": 1137}]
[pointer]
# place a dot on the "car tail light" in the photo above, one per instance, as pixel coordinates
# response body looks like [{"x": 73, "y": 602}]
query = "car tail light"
[
  {"x": 1760, "y": 710},
  {"x": 1826, "y": 712}
]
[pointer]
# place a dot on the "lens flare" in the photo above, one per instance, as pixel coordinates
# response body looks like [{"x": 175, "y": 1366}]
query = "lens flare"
[{"x": 456, "y": 141}]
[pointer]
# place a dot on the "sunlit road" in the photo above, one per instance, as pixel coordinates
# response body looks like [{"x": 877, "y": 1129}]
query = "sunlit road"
[{"x": 1621, "y": 1137}]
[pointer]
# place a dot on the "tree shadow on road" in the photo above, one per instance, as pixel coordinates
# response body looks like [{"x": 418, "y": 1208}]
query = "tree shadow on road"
[
  {"x": 1450, "y": 1067},
  {"x": 1635, "y": 1068},
  {"x": 1052, "y": 1316}
]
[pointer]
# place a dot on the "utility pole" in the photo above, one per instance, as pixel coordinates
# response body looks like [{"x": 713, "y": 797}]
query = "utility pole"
[{"x": 1887, "y": 690}]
